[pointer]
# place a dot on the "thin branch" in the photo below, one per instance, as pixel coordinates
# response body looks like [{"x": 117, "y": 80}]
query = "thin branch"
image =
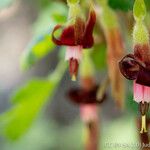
[
  {"x": 92, "y": 142},
  {"x": 102, "y": 89}
]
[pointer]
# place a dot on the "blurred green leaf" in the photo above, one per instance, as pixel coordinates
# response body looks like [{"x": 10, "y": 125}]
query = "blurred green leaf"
[
  {"x": 37, "y": 50},
  {"x": 99, "y": 56},
  {"x": 147, "y": 2},
  {"x": 42, "y": 43},
  {"x": 41, "y": 136},
  {"x": 62, "y": 52},
  {"x": 131, "y": 105},
  {"x": 124, "y": 5},
  {"x": 16, "y": 121},
  {"x": 53, "y": 14},
  {"x": 28, "y": 101}
]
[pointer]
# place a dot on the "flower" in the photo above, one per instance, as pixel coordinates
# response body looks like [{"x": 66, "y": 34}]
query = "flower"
[
  {"x": 87, "y": 100},
  {"x": 76, "y": 36},
  {"x": 136, "y": 66},
  {"x": 82, "y": 96},
  {"x": 86, "y": 97}
]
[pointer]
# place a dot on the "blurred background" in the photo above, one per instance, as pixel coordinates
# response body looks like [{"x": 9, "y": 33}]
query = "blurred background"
[{"x": 57, "y": 127}]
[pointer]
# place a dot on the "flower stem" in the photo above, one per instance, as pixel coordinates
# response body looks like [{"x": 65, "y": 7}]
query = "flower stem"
[
  {"x": 92, "y": 141},
  {"x": 144, "y": 137},
  {"x": 102, "y": 89}
]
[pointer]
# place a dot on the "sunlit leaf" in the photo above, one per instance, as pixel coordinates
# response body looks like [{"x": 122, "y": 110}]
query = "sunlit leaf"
[
  {"x": 19, "y": 118},
  {"x": 124, "y": 5},
  {"x": 37, "y": 50},
  {"x": 28, "y": 102}
]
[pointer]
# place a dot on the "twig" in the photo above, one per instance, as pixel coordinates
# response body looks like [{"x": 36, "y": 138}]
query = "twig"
[
  {"x": 92, "y": 142},
  {"x": 102, "y": 89}
]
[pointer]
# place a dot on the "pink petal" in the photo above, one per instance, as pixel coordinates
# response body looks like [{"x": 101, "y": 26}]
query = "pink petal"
[
  {"x": 146, "y": 94},
  {"x": 138, "y": 92},
  {"x": 74, "y": 52},
  {"x": 88, "y": 112}
]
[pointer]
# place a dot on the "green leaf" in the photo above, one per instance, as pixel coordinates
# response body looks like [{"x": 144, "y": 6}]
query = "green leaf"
[
  {"x": 147, "y": 2},
  {"x": 42, "y": 43},
  {"x": 99, "y": 56},
  {"x": 37, "y": 50},
  {"x": 123, "y": 5},
  {"x": 28, "y": 102}
]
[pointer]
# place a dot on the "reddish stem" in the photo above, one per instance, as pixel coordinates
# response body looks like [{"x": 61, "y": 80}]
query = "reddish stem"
[{"x": 92, "y": 142}]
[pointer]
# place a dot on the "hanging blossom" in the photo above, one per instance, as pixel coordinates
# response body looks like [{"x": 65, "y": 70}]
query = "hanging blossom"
[
  {"x": 85, "y": 97},
  {"x": 136, "y": 66},
  {"x": 87, "y": 101},
  {"x": 76, "y": 36},
  {"x": 88, "y": 104}
]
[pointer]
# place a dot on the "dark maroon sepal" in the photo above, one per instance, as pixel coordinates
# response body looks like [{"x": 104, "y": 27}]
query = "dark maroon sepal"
[
  {"x": 80, "y": 96},
  {"x": 67, "y": 36},
  {"x": 134, "y": 69},
  {"x": 143, "y": 77},
  {"x": 54, "y": 39},
  {"x": 88, "y": 40},
  {"x": 77, "y": 34},
  {"x": 129, "y": 67}
]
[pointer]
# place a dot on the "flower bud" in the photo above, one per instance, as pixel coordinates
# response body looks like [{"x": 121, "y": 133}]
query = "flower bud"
[
  {"x": 140, "y": 34},
  {"x": 139, "y": 10}
]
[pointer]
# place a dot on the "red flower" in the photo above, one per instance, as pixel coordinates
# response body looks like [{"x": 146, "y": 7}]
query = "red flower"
[
  {"x": 87, "y": 100},
  {"x": 137, "y": 66},
  {"x": 76, "y": 37},
  {"x": 83, "y": 96}
]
